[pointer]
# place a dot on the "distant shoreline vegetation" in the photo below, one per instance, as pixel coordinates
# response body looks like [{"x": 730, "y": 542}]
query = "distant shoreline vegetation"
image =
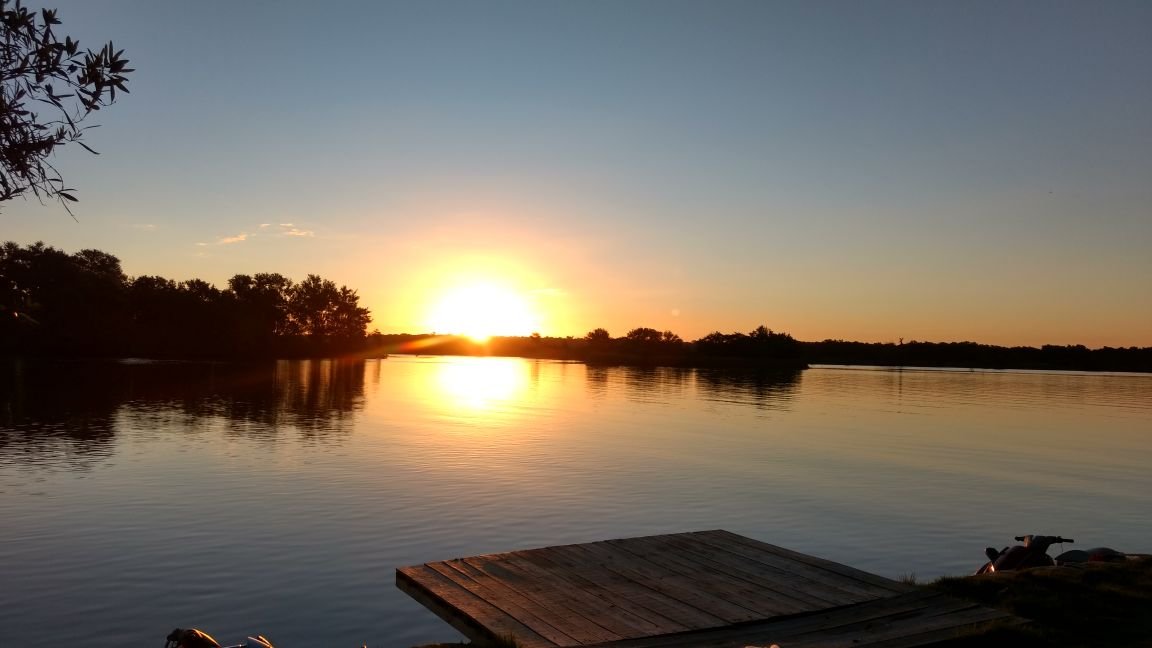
[
  {"x": 58, "y": 304},
  {"x": 738, "y": 350},
  {"x": 762, "y": 348}
]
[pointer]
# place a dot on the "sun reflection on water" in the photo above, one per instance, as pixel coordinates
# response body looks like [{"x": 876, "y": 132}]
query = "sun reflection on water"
[{"x": 481, "y": 384}]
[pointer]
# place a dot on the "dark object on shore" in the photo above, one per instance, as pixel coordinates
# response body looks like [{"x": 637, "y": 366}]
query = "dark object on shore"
[
  {"x": 1033, "y": 553},
  {"x": 193, "y": 638},
  {"x": 1081, "y": 605},
  {"x": 1095, "y": 554}
]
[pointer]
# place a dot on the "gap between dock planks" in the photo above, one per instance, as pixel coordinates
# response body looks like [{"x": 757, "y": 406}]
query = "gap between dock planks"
[{"x": 706, "y": 588}]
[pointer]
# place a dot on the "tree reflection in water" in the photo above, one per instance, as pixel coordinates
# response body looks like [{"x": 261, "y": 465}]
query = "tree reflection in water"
[
  {"x": 55, "y": 412},
  {"x": 71, "y": 411},
  {"x": 762, "y": 388},
  {"x": 766, "y": 389},
  {"x": 655, "y": 383}
]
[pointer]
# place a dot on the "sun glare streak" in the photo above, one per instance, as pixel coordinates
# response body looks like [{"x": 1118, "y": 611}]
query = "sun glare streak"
[
  {"x": 416, "y": 346},
  {"x": 481, "y": 310}
]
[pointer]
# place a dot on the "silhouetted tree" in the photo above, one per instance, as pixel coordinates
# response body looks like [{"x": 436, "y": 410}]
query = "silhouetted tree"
[
  {"x": 649, "y": 343},
  {"x": 53, "y": 302},
  {"x": 644, "y": 335},
  {"x": 766, "y": 343},
  {"x": 598, "y": 336},
  {"x": 261, "y": 303},
  {"x": 37, "y": 69},
  {"x": 59, "y": 297},
  {"x": 14, "y": 298},
  {"x": 717, "y": 343},
  {"x": 98, "y": 298},
  {"x": 100, "y": 263},
  {"x": 762, "y": 342},
  {"x": 318, "y": 309},
  {"x": 157, "y": 317}
]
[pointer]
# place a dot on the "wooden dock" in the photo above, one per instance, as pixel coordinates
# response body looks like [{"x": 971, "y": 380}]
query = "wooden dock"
[{"x": 708, "y": 588}]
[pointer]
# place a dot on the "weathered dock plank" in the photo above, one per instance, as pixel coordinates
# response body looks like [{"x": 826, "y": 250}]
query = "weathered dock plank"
[
  {"x": 666, "y": 615},
  {"x": 668, "y": 583},
  {"x": 518, "y": 607},
  {"x": 828, "y": 565},
  {"x": 764, "y": 601},
  {"x": 706, "y": 589},
  {"x": 830, "y": 588},
  {"x": 638, "y": 618},
  {"x": 664, "y": 571},
  {"x": 911, "y": 619},
  {"x": 553, "y": 592},
  {"x": 811, "y": 591},
  {"x": 471, "y": 615}
]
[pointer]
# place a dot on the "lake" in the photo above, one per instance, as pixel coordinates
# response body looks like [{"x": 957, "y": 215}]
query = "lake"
[{"x": 278, "y": 498}]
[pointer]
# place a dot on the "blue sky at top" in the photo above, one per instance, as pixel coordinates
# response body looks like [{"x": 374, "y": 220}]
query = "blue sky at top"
[{"x": 976, "y": 170}]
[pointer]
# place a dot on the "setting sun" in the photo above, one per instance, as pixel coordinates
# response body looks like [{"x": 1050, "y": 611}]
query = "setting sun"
[{"x": 481, "y": 310}]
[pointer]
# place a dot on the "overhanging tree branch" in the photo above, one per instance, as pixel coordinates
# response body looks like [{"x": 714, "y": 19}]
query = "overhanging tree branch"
[{"x": 36, "y": 67}]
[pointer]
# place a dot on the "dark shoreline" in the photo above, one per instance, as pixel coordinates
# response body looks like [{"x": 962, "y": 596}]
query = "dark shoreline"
[
  {"x": 597, "y": 360},
  {"x": 762, "y": 352}
]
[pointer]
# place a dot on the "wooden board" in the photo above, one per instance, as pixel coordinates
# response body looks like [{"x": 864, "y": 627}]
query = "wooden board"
[
  {"x": 910, "y": 619},
  {"x": 706, "y": 588}
]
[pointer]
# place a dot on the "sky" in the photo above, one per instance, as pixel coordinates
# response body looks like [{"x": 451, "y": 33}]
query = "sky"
[{"x": 850, "y": 170}]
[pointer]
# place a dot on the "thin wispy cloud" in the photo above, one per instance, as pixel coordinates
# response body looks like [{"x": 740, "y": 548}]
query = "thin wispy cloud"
[
  {"x": 284, "y": 229},
  {"x": 227, "y": 240},
  {"x": 264, "y": 230}
]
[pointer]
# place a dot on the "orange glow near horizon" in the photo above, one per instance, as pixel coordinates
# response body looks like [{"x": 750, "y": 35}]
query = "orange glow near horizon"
[{"x": 482, "y": 309}]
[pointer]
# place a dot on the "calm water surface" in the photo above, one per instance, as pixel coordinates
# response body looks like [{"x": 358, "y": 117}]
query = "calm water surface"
[{"x": 279, "y": 498}]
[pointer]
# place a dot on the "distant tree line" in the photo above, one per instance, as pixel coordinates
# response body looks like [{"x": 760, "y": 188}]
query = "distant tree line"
[
  {"x": 55, "y": 303},
  {"x": 974, "y": 355},
  {"x": 760, "y": 347},
  {"x": 643, "y": 346},
  {"x": 765, "y": 348}
]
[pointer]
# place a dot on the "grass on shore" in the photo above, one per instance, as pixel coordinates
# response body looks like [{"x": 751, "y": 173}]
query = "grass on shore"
[{"x": 1094, "y": 605}]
